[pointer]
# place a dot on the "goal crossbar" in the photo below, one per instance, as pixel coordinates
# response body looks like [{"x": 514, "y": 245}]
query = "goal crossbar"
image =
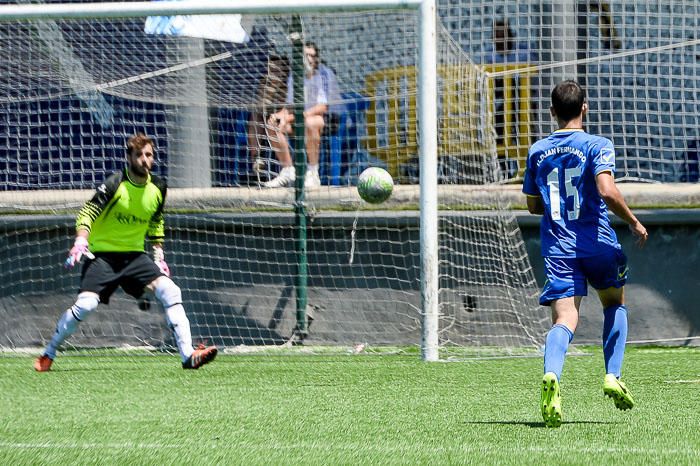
[{"x": 195, "y": 7}]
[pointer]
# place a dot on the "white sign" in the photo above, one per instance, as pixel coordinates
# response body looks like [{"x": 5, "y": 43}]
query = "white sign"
[{"x": 218, "y": 27}]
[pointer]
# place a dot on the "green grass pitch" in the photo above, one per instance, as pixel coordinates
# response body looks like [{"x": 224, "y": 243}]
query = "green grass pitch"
[{"x": 336, "y": 409}]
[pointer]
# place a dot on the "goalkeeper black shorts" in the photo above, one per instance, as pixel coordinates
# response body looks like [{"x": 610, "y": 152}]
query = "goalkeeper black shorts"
[{"x": 133, "y": 271}]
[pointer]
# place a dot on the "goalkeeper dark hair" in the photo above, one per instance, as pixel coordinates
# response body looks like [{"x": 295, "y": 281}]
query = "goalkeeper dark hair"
[
  {"x": 138, "y": 141},
  {"x": 568, "y": 98}
]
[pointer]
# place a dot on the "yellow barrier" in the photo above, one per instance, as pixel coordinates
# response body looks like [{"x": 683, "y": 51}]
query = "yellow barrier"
[
  {"x": 466, "y": 123},
  {"x": 512, "y": 113}
]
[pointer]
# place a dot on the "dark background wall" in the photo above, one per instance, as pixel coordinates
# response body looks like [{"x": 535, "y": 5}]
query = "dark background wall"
[
  {"x": 236, "y": 271},
  {"x": 662, "y": 289}
]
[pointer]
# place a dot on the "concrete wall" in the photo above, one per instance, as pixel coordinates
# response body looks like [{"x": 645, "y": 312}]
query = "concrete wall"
[
  {"x": 662, "y": 290},
  {"x": 237, "y": 271}
]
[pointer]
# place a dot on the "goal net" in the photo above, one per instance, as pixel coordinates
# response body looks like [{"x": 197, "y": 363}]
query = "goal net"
[{"x": 75, "y": 89}]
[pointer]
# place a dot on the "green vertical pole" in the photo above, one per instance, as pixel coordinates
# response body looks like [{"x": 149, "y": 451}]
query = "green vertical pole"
[{"x": 297, "y": 38}]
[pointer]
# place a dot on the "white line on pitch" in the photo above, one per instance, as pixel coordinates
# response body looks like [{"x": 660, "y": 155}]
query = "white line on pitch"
[
  {"x": 319, "y": 446},
  {"x": 31, "y": 446}
]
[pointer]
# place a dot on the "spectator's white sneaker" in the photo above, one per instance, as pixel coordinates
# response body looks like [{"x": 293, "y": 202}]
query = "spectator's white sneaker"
[
  {"x": 284, "y": 179},
  {"x": 312, "y": 180}
]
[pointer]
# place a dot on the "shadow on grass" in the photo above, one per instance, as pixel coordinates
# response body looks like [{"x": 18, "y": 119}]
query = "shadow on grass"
[{"x": 535, "y": 424}]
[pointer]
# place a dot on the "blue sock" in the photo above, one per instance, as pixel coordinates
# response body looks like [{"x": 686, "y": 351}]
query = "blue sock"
[
  {"x": 558, "y": 339},
  {"x": 614, "y": 338}
]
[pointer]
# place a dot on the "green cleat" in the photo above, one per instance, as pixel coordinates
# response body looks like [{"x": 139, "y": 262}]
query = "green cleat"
[
  {"x": 551, "y": 400},
  {"x": 617, "y": 390}
]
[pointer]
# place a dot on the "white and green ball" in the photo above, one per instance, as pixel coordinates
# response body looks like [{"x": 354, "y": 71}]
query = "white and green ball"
[{"x": 375, "y": 185}]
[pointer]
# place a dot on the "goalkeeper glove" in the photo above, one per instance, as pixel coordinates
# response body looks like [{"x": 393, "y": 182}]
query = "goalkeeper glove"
[
  {"x": 159, "y": 259},
  {"x": 79, "y": 249}
]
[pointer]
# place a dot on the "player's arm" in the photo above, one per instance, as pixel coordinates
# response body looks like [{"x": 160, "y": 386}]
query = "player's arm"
[
  {"x": 156, "y": 229},
  {"x": 534, "y": 204},
  {"x": 79, "y": 249},
  {"x": 616, "y": 203},
  {"x": 103, "y": 197}
]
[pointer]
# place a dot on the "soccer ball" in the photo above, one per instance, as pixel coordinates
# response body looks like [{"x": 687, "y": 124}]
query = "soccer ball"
[{"x": 375, "y": 185}]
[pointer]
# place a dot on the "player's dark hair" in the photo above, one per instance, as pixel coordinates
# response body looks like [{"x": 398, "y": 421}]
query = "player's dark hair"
[
  {"x": 567, "y": 99},
  {"x": 138, "y": 141}
]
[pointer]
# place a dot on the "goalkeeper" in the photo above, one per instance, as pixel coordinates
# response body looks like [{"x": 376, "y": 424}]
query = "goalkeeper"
[{"x": 111, "y": 230}]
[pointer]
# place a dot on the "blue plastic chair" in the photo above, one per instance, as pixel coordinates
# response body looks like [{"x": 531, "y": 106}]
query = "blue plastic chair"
[{"x": 345, "y": 142}]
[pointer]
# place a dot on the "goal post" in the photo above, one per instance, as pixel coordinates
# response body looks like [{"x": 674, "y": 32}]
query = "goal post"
[
  {"x": 439, "y": 266},
  {"x": 428, "y": 154},
  {"x": 427, "y": 98}
]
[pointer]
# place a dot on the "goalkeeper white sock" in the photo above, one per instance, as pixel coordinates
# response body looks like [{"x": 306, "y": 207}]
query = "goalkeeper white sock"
[
  {"x": 170, "y": 296},
  {"x": 85, "y": 305},
  {"x": 312, "y": 168},
  {"x": 180, "y": 325}
]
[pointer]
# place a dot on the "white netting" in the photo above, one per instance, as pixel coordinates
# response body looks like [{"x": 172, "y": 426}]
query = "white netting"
[
  {"x": 74, "y": 90},
  {"x": 638, "y": 61}
]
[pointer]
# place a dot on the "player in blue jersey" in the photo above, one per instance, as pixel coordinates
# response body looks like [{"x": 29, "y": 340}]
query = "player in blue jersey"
[{"x": 569, "y": 181}]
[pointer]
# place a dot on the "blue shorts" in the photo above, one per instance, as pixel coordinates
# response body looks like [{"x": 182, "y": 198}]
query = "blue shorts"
[{"x": 570, "y": 276}]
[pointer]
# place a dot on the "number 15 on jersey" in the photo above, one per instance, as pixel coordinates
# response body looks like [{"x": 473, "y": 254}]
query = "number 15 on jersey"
[{"x": 555, "y": 186}]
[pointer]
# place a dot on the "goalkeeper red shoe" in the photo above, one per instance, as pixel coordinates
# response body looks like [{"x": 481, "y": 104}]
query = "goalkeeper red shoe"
[
  {"x": 201, "y": 356},
  {"x": 43, "y": 363}
]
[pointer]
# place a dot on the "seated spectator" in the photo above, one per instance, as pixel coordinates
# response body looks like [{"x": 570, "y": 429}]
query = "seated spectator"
[
  {"x": 506, "y": 49},
  {"x": 272, "y": 95},
  {"x": 320, "y": 89}
]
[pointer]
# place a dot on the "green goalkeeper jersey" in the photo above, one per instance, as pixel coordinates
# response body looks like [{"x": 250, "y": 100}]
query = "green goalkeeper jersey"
[{"x": 122, "y": 214}]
